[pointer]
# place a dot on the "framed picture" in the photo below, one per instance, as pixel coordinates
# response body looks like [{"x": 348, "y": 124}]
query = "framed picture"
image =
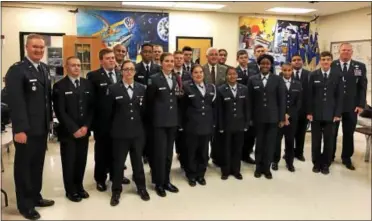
[
  {"x": 54, "y": 40},
  {"x": 199, "y": 47}
]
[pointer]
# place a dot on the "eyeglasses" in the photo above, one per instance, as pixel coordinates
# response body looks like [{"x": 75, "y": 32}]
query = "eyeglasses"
[
  {"x": 122, "y": 51},
  {"x": 128, "y": 70}
]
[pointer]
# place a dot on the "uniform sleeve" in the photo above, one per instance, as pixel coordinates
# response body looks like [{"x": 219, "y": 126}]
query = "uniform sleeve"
[
  {"x": 150, "y": 99},
  {"x": 60, "y": 110},
  {"x": 309, "y": 94},
  {"x": 299, "y": 100},
  {"x": 281, "y": 100},
  {"x": 14, "y": 81},
  {"x": 362, "y": 87},
  {"x": 90, "y": 110},
  {"x": 250, "y": 99},
  {"x": 339, "y": 97},
  {"x": 247, "y": 110},
  {"x": 220, "y": 111}
]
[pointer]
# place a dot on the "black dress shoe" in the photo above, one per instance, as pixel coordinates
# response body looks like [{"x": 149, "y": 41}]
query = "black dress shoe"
[
  {"x": 171, "y": 188},
  {"x": 115, "y": 199},
  {"x": 160, "y": 191},
  {"x": 74, "y": 197},
  {"x": 349, "y": 165},
  {"x": 83, "y": 194},
  {"x": 31, "y": 214},
  {"x": 274, "y": 166},
  {"x": 301, "y": 158},
  {"x": 291, "y": 168},
  {"x": 101, "y": 187},
  {"x": 249, "y": 160},
  {"x": 238, "y": 176},
  {"x": 125, "y": 181},
  {"x": 143, "y": 194},
  {"x": 316, "y": 169},
  {"x": 44, "y": 203},
  {"x": 257, "y": 173},
  {"x": 325, "y": 170},
  {"x": 224, "y": 177},
  {"x": 201, "y": 181},
  {"x": 268, "y": 175},
  {"x": 192, "y": 182}
]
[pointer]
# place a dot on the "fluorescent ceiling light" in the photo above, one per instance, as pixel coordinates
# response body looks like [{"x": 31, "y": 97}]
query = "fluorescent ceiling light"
[
  {"x": 291, "y": 10},
  {"x": 176, "y": 5}
]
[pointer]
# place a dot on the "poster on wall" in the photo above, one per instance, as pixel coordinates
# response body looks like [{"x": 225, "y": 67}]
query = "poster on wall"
[
  {"x": 131, "y": 29},
  {"x": 291, "y": 37},
  {"x": 255, "y": 31}
]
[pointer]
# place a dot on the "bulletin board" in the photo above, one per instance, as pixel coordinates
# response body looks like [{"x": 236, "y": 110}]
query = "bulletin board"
[{"x": 362, "y": 53}]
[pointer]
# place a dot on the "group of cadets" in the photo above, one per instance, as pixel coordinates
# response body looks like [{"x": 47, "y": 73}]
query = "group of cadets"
[{"x": 143, "y": 109}]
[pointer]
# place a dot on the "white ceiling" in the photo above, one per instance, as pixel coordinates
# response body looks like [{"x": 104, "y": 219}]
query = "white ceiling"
[{"x": 323, "y": 8}]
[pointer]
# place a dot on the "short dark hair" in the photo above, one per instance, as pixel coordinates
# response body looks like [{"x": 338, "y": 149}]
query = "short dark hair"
[
  {"x": 177, "y": 52},
  {"x": 71, "y": 57},
  {"x": 257, "y": 47},
  {"x": 326, "y": 54},
  {"x": 146, "y": 45},
  {"x": 296, "y": 55},
  {"x": 103, "y": 52},
  {"x": 186, "y": 48},
  {"x": 222, "y": 49},
  {"x": 241, "y": 52},
  {"x": 265, "y": 56},
  {"x": 165, "y": 54},
  {"x": 195, "y": 66},
  {"x": 229, "y": 68},
  {"x": 126, "y": 62},
  {"x": 286, "y": 63}
]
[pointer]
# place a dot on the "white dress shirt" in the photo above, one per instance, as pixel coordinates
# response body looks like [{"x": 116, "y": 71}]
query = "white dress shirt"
[
  {"x": 287, "y": 82},
  {"x": 215, "y": 70},
  {"x": 327, "y": 72},
  {"x": 169, "y": 80},
  {"x": 347, "y": 64},
  {"x": 233, "y": 89},
  {"x": 129, "y": 90},
  {"x": 201, "y": 88},
  {"x": 299, "y": 73},
  {"x": 73, "y": 80},
  {"x": 113, "y": 75},
  {"x": 264, "y": 82},
  {"x": 36, "y": 65}
]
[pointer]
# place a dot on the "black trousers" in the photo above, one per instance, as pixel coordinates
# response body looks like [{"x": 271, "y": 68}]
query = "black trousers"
[
  {"x": 162, "y": 154},
  {"x": 197, "y": 155},
  {"x": 148, "y": 142},
  {"x": 121, "y": 147},
  {"x": 74, "y": 154},
  {"x": 300, "y": 134},
  {"x": 289, "y": 133},
  {"x": 249, "y": 140},
  {"x": 103, "y": 158},
  {"x": 232, "y": 152},
  {"x": 319, "y": 128},
  {"x": 265, "y": 145},
  {"x": 216, "y": 145},
  {"x": 180, "y": 147},
  {"x": 349, "y": 120},
  {"x": 28, "y": 171}
]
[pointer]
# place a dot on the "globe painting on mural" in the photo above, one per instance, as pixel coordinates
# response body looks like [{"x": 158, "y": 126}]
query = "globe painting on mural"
[{"x": 131, "y": 29}]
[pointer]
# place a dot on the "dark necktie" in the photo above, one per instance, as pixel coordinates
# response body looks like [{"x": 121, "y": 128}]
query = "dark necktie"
[
  {"x": 297, "y": 77},
  {"x": 111, "y": 77},
  {"x": 325, "y": 77},
  {"x": 130, "y": 87},
  {"x": 179, "y": 80},
  {"x": 77, "y": 83},
  {"x": 245, "y": 72},
  {"x": 345, "y": 68},
  {"x": 41, "y": 73},
  {"x": 147, "y": 70},
  {"x": 188, "y": 68},
  {"x": 213, "y": 73}
]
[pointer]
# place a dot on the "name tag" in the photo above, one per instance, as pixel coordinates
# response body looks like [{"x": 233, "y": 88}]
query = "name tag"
[
  {"x": 211, "y": 93},
  {"x": 316, "y": 82},
  {"x": 227, "y": 98},
  {"x": 119, "y": 97},
  {"x": 357, "y": 73},
  {"x": 239, "y": 79},
  {"x": 192, "y": 95},
  {"x": 33, "y": 80},
  {"x": 241, "y": 96},
  {"x": 256, "y": 87},
  {"x": 68, "y": 92},
  {"x": 87, "y": 92},
  {"x": 103, "y": 84},
  {"x": 141, "y": 76},
  {"x": 162, "y": 88},
  {"x": 295, "y": 90}
]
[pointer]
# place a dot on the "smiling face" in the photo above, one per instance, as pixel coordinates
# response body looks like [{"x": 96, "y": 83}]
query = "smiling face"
[
  {"x": 35, "y": 48},
  {"x": 128, "y": 70},
  {"x": 167, "y": 64},
  {"x": 212, "y": 56},
  {"x": 73, "y": 67},
  {"x": 265, "y": 66},
  {"x": 197, "y": 75},
  {"x": 346, "y": 52},
  {"x": 120, "y": 51},
  {"x": 158, "y": 50},
  {"x": 108, "y": 61},
  {"x": 222, "y": 57},
  {"x": 325, "y": 62},
  {"x": 287, "y": 71},
  {"x": 231, "y": 76}
]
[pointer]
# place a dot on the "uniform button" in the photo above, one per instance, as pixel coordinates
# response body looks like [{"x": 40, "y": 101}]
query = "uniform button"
[
  {"x": 203, "y": 107},
  {"x": 234, "y": 115},
  {"x": 264, "y": 99},
  {"x": 234, "y": 103},
  {"x": 203, "y": 113},
  {"x": 265, "y": 105},
  {"x": 325, "y": 94},
  {"x": 202, "y": 101},
  {"x": 81, "y": 114},
  {"x": 344, "y": 86},
  {"x": 171, "y": 94},
  {"x": 170, "y": 107},
  {"x": 344, "y": 92},
  {"x": 170, "y": 100},
  {"x": 131, "y": 111},
  {"x": 130, "y": 104},
  {"x": 325, "y": 99},
  {"x": 288, "y": 101},
  {"x": 132, "y": 118},
  {"x": 288, "y": 95},
  {"x": 287, "y": 106},
  {"x": 264, "y": 94},
  {"x": 234, "y": 109}
]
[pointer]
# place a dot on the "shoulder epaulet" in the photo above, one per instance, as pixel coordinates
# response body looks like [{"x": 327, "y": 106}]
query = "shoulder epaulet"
[{"x": 17, "y": 63}]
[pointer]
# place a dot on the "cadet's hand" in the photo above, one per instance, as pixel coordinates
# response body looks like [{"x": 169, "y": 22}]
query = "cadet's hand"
[
  {"x": 358, "y": 110},
  {"x": 336, "y": 119},
  {"x": 310, "y": 117},
  {"x": 84, "y": 131},
  {"x": 286, "y": 122},
  {"x": 20, "y": 137},
  {"x": 287, "y": 117},
  {"x": 78, "y": 134},
  {"x": 281, "y": 124}
]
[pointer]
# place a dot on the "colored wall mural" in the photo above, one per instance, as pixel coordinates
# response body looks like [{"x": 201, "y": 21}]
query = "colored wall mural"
[{"x": 131, "y": 29}]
